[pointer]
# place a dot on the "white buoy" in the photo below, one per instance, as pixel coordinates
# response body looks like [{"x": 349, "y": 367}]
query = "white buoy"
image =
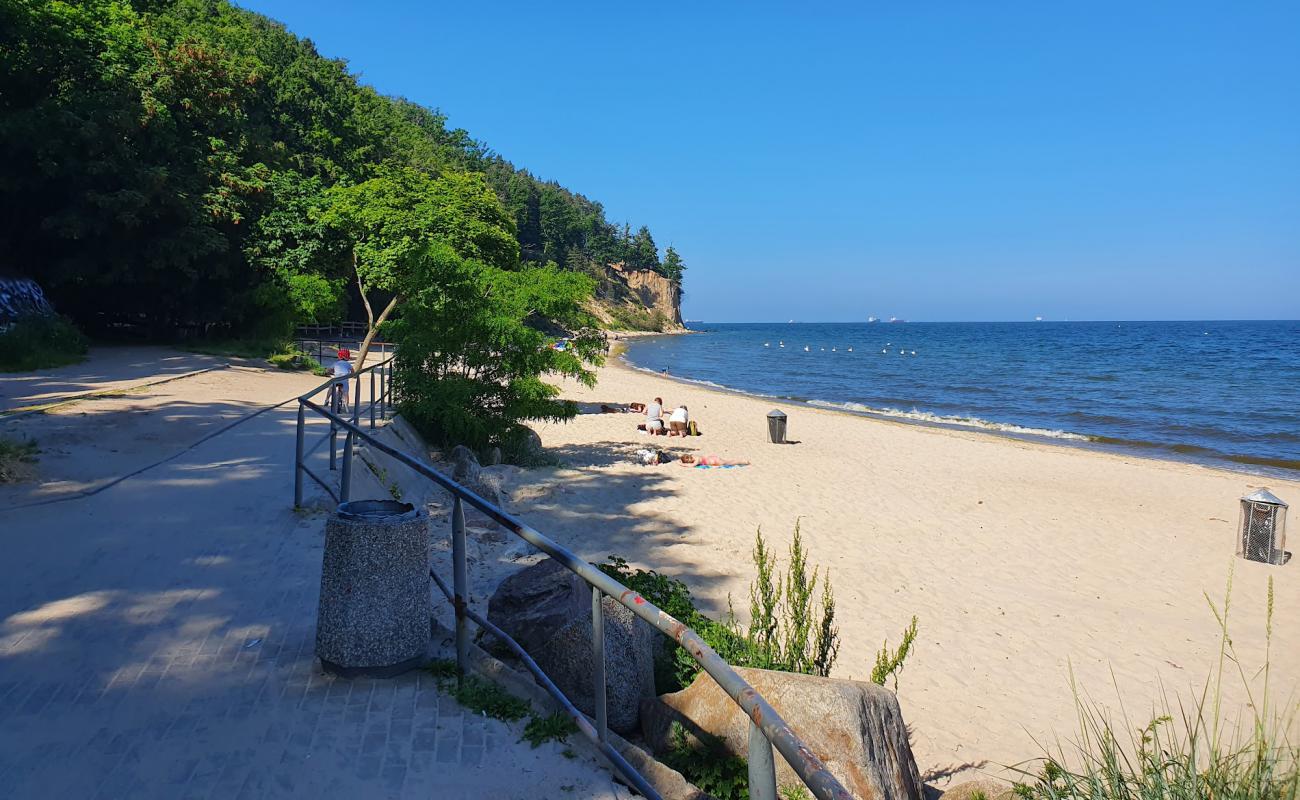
[
  {"x": 913, "y": 352},
  {"x": 850, "y": 349},
  {"x": 767, "y": 344},
  {"x": 884, "y": 351},
  {"x": 832, "y": 349},
  {"x": 806, "y": 350}
]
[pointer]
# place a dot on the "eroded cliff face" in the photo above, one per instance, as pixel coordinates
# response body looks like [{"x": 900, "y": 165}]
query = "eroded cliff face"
[{"x": 655, "y": 292}]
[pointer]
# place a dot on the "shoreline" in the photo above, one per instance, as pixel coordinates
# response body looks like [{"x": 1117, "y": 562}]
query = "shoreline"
[
  {"x": 1025, "y": 563},
  {"x": 1068, "y": 439}
]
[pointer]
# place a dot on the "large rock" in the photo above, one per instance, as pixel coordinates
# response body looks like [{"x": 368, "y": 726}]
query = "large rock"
[
  {"x": 547, "y": 610},
  {"x": 980, "y": 789},
  {"x": 855, "y": 728}
]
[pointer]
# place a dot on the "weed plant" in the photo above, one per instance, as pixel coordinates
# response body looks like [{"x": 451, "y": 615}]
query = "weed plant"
[
  {"x": 1187, "y": 751},
  {"x": 16, "y": 458}
]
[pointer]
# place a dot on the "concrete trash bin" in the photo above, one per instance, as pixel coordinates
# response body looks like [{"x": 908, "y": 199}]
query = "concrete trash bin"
[
  {"x": 776, "y": 426},
  {"x": 375, "y": 604}
]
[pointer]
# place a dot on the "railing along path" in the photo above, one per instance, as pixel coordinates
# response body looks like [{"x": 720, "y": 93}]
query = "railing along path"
[{"x": 766, "y": 728}]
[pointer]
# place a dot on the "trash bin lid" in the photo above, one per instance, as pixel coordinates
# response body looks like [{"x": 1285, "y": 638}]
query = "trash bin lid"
[
  {"x": 375, "y": 509},
  {"x": 776, "y": 412}
]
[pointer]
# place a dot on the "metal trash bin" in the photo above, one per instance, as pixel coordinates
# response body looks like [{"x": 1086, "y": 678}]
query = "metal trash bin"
[
  {"x": 375, "y": 604},
  {"x": 776, "y": 426}
]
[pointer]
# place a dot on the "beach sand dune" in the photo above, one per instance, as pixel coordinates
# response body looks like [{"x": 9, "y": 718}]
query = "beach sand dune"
[{"x": 1021, "y": 560}]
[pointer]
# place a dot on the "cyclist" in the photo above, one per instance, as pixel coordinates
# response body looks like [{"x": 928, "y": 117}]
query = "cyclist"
[{"x": 342, "y": 369}]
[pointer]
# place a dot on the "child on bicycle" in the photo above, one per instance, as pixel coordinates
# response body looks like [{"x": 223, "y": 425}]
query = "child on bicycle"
[{"x": 342, "y": 369}]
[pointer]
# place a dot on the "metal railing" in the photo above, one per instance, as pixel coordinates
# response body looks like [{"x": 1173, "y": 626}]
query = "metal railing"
[
  {"x": 766, "y": 728},
  {"x": 380, "y": 403}
]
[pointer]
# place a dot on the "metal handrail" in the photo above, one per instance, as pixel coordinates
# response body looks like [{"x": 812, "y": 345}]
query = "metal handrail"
[
  {"x": 381, "y": 401},
  {"x": 767, "y": 728}
]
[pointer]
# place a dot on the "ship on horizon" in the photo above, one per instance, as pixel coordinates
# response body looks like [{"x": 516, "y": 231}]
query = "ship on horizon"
[{"x": 872, "y": 319}]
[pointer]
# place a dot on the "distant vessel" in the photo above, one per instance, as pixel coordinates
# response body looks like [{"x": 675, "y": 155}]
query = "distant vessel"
[
  {"x": 1038, "y": 319},
  {"x": 872, "y": 319},
  {"x": 896, "y": 319}
]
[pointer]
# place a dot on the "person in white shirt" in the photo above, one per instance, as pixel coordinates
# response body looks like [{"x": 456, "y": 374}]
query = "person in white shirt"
[
  {"x": 343, "y": 368},
  {"x": 654, "y": 422},
  {"x": 678, "y": 422}
]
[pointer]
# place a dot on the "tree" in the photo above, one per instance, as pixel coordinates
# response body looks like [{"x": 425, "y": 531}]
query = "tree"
[
  {"x": 388, "y": 222},
  {"x": 470, "y": 364},
  {"x": 642, "y": 251},
  {"x": 673, "y": 266}
]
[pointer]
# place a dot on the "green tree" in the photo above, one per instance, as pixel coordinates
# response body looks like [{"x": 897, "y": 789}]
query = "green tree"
[
  {"x": 471, "y": 356},
  {"x": 673, "y": 266},
  {"x": 643, "y": 254}
]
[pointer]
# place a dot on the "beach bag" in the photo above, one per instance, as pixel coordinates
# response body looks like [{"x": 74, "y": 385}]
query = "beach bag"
[{"x": 692, "y": 429}]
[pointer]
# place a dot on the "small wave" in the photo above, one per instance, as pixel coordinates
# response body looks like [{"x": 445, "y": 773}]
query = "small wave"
[{"x": 966, "y": 422}]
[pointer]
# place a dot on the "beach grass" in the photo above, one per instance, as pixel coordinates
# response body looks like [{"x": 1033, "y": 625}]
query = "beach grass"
[{"x": 1194, "y": 750}]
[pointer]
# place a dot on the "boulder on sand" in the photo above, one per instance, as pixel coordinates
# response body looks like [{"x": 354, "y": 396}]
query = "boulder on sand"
[
  {"x": 855, "y": 728},
  {"x": 547, "y": 610}
]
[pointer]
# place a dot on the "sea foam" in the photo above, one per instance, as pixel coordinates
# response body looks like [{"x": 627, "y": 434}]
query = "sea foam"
[{"x": 965, "y": 422}]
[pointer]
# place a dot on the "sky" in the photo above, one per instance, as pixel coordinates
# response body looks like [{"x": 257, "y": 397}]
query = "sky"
[{"x": 931, "y": 161}]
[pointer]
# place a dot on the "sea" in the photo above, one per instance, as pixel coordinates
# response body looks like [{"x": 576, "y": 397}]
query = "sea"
[{"x": 1218, "y": 393}]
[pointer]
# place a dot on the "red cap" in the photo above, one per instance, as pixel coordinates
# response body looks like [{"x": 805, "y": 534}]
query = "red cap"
[{"x": 345, "y": 353}]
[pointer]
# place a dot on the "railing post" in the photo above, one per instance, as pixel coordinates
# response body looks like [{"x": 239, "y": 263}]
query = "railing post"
[
  {"x": 298, "y": 455},
  {"x": 335, "y": 407},
  {"x": 372, "y": 399},
  {"x": 345, "y": 483},
  {"x": 383, "y": 413},
  {"x": 762, "y": 770},
  {"x": 356, "y": 402},
  {"x": 598, "y": 660},
  {"x": 460, "y": 585}
]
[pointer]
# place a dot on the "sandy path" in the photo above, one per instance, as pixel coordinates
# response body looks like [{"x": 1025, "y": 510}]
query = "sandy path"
[
  {"x": 106, "y": 368},
  {"x": 1019, "y": 559}
]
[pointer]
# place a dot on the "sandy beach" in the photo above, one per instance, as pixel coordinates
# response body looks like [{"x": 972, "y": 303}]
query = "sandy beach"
[{"x": 1022, "y": 561}]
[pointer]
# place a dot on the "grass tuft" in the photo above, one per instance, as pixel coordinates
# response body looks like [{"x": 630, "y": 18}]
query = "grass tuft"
[
  {"x": 16, "y": 458},
  {"x": 1184, "y": 752}
]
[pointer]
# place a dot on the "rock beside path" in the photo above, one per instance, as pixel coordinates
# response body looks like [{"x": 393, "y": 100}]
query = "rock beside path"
[
  {"x": 855, "y": 728},
  {"x": 547, "y": 610}
]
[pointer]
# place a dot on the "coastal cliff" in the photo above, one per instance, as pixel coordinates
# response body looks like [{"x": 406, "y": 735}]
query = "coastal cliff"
[{"x": 638, "y": 299}]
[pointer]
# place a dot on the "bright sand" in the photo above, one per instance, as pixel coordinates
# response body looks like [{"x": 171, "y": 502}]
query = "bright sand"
[{"x": 1021, "y": 560}]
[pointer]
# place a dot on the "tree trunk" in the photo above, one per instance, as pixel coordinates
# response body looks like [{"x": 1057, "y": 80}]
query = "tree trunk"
[{"x": 374, "y": 330}]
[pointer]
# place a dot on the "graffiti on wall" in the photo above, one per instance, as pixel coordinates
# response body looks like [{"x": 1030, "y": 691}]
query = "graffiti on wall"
[{"x": 19, "y": 296}]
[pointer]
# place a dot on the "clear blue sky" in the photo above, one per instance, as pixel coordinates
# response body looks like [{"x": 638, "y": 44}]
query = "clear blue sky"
[{"x": 934, "y": 161}]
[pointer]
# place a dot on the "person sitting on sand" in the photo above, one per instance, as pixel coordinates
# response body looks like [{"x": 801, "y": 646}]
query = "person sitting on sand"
[
  {"x": 654, "y": 421},
  {"x": 711, "y": 461},
  {"x": 677, "y": 423}
]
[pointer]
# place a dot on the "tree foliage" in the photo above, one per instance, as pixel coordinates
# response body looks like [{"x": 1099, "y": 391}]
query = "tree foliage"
[{"x": 180, "y": 163}]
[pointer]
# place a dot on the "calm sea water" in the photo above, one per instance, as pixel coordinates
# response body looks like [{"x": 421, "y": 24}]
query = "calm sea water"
[{"x": 1218, "y": 392}]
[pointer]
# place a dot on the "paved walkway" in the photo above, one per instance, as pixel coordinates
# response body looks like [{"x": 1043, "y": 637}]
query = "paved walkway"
[{"x": 156, "y": 640}]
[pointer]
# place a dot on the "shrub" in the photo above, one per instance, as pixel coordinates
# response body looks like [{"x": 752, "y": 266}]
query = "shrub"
[
  {"x": 708, "y": 764},
  {"x": 1183, "y": 752},
  {"x": 791, "y": 629},
  {"x": 40, "y": 341},
  {"x": 16, "y": 458}
]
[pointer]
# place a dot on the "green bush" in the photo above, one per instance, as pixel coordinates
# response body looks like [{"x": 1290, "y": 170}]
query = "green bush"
[
  {"x": 1185, "y": 752},
  {"x": 791, "y": 629},
  {"x": 41, "y": 341},
  {"x": 16, "y": 458},
  {"x": 630, "y": 318}
]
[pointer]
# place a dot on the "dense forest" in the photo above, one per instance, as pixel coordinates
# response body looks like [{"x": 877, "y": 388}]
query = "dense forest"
[{"x": 174, "y": 164}]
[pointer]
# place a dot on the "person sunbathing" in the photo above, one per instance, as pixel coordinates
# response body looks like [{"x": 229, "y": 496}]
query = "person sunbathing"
[{"x": 710, "y": 461}]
